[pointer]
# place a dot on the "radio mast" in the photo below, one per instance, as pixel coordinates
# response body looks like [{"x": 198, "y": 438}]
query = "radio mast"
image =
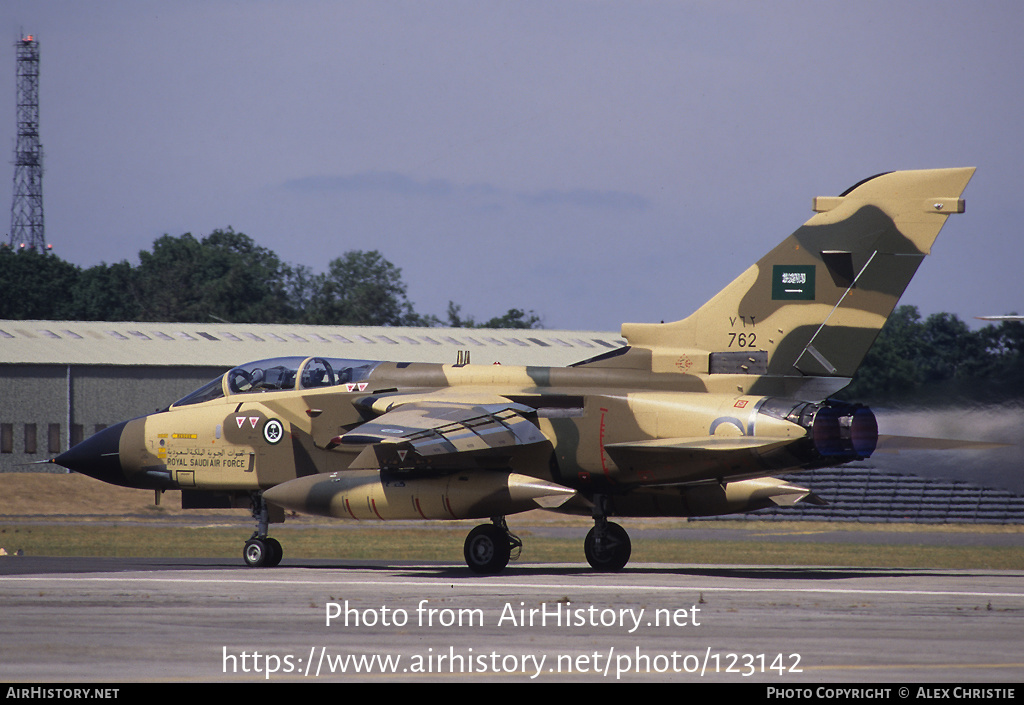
[{"x": 27, "y": 202}]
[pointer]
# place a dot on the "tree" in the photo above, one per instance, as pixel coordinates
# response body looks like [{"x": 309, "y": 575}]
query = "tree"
[
  {"x": 226, "y": 276},
  {"x": 940, "y": 354},
  {"x": 513, "y": 318},
  {"x": 361, "y": 288},
  {"x": 947, "y": 349},
  {"x": 35, "y": 285},
  {"x": 890, "y": 365},
  {"x": 1004, "y": 363},
  {"x": 107, "y": 293}
]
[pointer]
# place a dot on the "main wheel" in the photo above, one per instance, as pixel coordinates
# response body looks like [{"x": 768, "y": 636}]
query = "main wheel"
[
  {"x": 487, "y": 549},
  {"x": 614, "y": 551}
]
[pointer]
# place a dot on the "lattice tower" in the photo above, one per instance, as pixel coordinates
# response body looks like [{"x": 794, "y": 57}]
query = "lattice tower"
[{"x": 27, "y": 202}]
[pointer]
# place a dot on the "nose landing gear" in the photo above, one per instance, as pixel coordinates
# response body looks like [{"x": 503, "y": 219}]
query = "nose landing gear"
[{"x": 261, "y": 551}]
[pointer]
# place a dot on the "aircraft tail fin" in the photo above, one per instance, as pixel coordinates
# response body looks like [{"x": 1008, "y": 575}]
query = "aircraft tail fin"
[{"x": 813, "y": 306}]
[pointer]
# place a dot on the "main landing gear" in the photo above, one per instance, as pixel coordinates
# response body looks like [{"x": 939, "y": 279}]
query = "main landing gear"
[
  {"x": 607, "y": 545},
  {"x": 261, "y": 551},
  {"x": 489, "y": 547}
]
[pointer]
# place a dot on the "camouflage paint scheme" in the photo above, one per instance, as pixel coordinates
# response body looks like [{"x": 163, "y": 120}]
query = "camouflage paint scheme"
[{"x": 691, "y": 418}]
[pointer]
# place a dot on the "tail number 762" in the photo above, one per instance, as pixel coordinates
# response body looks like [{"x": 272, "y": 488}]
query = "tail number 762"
[{"x": 742, "y": 340}]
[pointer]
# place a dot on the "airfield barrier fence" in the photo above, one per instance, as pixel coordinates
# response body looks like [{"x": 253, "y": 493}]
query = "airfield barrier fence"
[{"x": 870, "y": 496}]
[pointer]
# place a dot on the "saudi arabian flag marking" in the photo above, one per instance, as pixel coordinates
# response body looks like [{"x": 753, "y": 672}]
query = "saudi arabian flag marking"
[{"x": 793, "y": 282}]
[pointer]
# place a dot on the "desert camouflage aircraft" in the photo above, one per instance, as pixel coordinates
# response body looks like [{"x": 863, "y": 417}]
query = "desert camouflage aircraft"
[{"x": 691, "y": 418}]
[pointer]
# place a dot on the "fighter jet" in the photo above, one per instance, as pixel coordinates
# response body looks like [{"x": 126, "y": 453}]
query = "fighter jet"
[{"x": 690, "y": 418}]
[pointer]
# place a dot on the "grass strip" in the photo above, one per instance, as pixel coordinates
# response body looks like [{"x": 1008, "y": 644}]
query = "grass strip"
[{"x": 442, "y": 544}]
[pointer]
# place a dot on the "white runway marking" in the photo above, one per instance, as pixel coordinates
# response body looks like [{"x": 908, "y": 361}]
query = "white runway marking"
[{"x": 478, "y": 584}]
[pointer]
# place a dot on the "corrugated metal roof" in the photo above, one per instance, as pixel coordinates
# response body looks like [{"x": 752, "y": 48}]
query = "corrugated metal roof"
[{"x": 229, "y": 344}]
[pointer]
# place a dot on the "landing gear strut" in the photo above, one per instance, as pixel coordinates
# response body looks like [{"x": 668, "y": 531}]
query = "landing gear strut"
[
  {"x": 489, "y": 547},
  {"x": 607, "y": 545},
  {"x": 260, "y": 550}
]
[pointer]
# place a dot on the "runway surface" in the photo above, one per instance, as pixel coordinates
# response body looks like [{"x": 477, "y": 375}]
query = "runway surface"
[{"x": 127, "y": 620}]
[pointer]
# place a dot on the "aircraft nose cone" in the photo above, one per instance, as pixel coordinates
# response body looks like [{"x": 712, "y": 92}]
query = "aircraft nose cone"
[{"x": 97, "y": 456}]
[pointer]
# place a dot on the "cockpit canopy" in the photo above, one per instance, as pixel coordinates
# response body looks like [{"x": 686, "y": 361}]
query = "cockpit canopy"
[{"x": 281, "y": 373}]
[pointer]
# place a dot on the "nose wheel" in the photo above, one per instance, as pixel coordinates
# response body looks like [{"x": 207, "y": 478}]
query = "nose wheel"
[{"x": 262, "y": 553}]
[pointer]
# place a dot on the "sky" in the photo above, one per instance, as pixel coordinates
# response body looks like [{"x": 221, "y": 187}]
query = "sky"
[{"x": 595, "y": 162}]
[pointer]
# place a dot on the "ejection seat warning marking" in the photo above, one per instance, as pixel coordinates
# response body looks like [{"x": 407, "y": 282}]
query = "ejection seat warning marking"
[
  {"x": 273, "y": 431},
  {"x": 253, "y": 420}
]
